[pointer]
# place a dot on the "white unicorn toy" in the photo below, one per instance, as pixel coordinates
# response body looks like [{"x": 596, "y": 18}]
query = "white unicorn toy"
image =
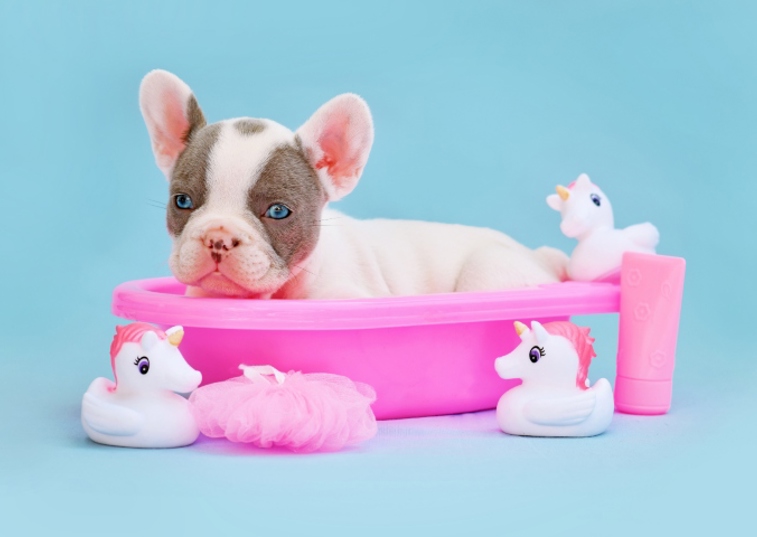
[
  {"x": 587, "y": 216},
  {"x": 141, "y": 408},
  {"x": 555, "y": 398}
]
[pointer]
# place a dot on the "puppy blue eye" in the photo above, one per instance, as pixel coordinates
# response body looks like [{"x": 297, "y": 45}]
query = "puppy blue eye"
[
  {"x": 278, "y": 211},
  {"x": 183, "y": 201},
  {"x": 596, "y": 199}
]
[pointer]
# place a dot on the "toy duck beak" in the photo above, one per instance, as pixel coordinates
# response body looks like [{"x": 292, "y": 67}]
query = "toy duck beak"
[
  {"x": 175, "y": 335},
  {"x": 563, "y": 192},
  {"x": 504, "y": 367}
]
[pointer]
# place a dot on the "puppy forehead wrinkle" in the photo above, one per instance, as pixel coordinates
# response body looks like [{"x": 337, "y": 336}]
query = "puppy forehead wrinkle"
[{"x": 236, "y": 161}]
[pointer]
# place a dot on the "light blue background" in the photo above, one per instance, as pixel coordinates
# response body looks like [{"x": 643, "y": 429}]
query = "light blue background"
[{"x": 480, "y": 109}]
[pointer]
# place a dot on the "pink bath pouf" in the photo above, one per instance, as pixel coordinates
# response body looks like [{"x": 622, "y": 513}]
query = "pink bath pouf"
[{"x": 300, "y": 411}]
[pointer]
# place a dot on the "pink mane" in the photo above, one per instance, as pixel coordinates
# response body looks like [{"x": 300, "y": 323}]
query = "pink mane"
[
  {"x": 581, "y": 340},
  {"x": 131, "y": 333}
]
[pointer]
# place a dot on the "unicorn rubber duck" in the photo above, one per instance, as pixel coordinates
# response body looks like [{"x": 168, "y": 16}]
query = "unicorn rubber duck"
[
  {"x": 140, "y": 409},
  {"x": 555, "y": 398},
  {"x": 587, "y": 216}
]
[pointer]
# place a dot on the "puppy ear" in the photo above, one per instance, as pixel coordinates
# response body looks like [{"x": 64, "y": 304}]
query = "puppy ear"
[
  {"x": 171, "y": 114},
  {"x": 337, "y": 140}
]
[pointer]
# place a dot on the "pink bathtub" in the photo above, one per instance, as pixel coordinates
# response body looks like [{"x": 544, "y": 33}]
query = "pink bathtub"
[{"x": 424, "y": 355}]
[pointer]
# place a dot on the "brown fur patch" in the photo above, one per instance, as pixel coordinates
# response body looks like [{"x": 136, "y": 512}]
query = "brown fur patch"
[
  {"x": 196, "y": 118},
  {"x": 288, "y": 178},
  {"x": 248, "y": 127},
  {"x": 190, "y": 175}
]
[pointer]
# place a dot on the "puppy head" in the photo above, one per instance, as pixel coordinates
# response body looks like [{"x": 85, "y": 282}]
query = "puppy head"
[{"x": 246, "y": 195}]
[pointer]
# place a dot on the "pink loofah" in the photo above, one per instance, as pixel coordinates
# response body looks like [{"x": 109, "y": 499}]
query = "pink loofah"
[{"x": 303, "y": 412}]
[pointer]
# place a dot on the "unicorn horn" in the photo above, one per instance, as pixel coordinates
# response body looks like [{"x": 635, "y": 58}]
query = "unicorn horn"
[
  {"x": 175, "y": 335},
  {"x": 563, "y": 192},
  {"x": 520, "y": 328}
]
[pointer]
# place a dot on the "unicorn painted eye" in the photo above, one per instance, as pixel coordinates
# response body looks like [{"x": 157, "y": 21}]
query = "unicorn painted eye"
[
  {"x": 596, "y": 200},
  {"x": 278, "y": 211},
  {"x": 183, "y": 201},
  {"x": 535, "y": 353},
  {"x": 143, "y": 364}
]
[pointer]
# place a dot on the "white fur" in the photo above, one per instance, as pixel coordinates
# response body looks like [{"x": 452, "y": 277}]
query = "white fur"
[
  {"x": 365, "y": 258},
  {"x": 235, "y": 162}
]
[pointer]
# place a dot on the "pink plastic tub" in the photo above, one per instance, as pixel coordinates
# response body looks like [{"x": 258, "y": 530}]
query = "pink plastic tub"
[{"x": 424, "y": 355}]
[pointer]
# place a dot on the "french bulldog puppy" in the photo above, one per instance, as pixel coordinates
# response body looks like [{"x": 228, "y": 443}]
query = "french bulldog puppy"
[{"x": 248, "y": 211}]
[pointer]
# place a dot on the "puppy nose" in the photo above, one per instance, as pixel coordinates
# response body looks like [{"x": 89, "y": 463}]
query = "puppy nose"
[{"x": 220, "y": 242}]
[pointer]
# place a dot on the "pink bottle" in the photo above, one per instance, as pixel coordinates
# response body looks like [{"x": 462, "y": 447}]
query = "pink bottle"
[{"x": 650, "y": 309}]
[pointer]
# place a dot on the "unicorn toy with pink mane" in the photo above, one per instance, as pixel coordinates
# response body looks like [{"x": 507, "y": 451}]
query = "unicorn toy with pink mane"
[
  {"x": 587, "y": 216},
  {"x": 142, "y": 407},
  {"x": 555, "y": 398}
]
